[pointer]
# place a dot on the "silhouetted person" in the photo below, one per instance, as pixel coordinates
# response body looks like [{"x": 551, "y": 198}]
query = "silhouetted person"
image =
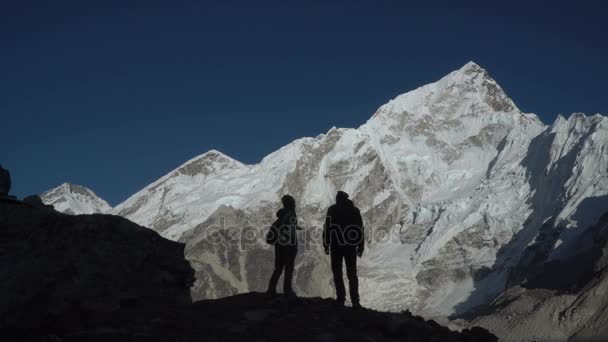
[
  {"x": 285, "y": 240},
  {"x": 343, "y": 237}
]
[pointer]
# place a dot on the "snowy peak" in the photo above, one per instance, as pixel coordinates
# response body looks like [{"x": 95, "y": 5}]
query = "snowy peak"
[
  {"x": 474, "y": 78},
  {"x": 174, "y": 198},
  {"x": 463, "y": 116},
  {"x": 75, "y": 199},
  {"x": 467, "y": 91},
  {"x": 467, "y": 73},
  {"x": 577, "y": 122},
  {"x": 472, "y": 69},
  {"x": 208, "y": 163},
  {"x": 470, "y": 66}
]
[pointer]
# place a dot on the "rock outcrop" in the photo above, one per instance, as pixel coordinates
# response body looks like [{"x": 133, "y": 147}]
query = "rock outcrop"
[
  {"x": 52, "y": 264},
  {"x": 253, "y": 317},
  {"x": 5, "y": 182},
  {"x": 36, "y": 201}
]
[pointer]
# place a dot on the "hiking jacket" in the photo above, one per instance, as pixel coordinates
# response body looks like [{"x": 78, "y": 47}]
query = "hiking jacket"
[
  {"x": 287, "y": 227},
  {"x": 343, "y": 226}
]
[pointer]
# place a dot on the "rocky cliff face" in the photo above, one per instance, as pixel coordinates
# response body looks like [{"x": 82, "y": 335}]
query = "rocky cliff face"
[
  {"x": 53, "y": 263},
  {"x": 453, "y": 180}
]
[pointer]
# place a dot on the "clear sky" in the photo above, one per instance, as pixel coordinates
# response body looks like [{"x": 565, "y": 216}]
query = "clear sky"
[{"x": 114, "y": 94}]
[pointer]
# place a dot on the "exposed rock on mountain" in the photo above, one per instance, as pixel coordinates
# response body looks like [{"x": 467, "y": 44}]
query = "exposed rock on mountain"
[
  {"x": 556, "y": 300},
  {"x": 52, "y": 263},
  {"x": 230, "y": 257},
  {"x": 75, "y": 200}
]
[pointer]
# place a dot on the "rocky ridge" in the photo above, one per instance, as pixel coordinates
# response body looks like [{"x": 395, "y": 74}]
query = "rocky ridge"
[{"x": 250, "y": 317}]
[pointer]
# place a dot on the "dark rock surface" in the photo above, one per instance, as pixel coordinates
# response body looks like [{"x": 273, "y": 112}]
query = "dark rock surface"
[
  {"x": 5, "y": 181},
  {"x": 52, "y": 264},
  {"x": 251, "y": 317},
  {"x": 36, "y": 201}
]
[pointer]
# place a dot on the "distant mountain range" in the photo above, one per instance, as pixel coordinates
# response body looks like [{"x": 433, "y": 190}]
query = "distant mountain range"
[{"x": 461, "y": 194}]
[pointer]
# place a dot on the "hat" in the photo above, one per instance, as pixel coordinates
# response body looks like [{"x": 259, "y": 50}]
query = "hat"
[{"x": 341, "y": 196}]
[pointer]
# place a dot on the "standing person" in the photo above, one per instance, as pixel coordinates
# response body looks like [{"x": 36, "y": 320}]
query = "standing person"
[
  {"x": 284, "y": 237},
  {"x": 343, "y": 238}
]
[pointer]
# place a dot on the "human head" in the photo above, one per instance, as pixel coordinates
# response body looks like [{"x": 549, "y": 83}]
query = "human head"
[
  {"x": 288, "y": 201},
  {"x": 341, "y": 196}
]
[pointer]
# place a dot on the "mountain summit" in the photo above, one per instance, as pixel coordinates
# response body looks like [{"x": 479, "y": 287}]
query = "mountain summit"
[
  {"x": 467, "y": 91},
  {"x": 75, "y": 199}
]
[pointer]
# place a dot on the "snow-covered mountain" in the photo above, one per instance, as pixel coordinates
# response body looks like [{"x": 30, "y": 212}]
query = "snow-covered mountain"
[
  {"x": 75, "y": 199},
  {"x": 561, "y": 300},
  {"x": 458, "y": 189}
]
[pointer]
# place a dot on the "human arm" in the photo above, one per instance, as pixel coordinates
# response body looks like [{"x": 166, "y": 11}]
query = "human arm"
[
  {"x": 361, "y": 242},
  {"x": 326, "y": 231}
]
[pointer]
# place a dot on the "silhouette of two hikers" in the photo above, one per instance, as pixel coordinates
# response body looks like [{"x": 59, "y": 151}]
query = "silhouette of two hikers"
[
  {"x": 343, "y": 239},
  {"x": 283, "y": 235}
]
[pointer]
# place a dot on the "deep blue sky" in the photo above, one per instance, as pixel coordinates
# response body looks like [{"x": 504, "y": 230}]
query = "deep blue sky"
[{"x": 114, "y": 94}]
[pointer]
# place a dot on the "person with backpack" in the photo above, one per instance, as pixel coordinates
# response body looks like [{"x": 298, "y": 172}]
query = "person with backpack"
[
  {"x": 343, "y": 238},
  {"x": 283, "y": 235}
]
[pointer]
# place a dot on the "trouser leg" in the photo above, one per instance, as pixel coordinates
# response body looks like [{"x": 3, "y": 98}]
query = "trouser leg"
[
  {"x": 350, "y": 259},
  {"x": 290, "y": 258},
  {"x": 278, "y": 269},
  {"x": 336, "y": 269}
]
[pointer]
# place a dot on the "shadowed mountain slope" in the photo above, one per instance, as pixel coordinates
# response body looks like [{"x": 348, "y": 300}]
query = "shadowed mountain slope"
[
  {"x": 53, "y": 263},
  {"x": 556, "y": 300}
]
